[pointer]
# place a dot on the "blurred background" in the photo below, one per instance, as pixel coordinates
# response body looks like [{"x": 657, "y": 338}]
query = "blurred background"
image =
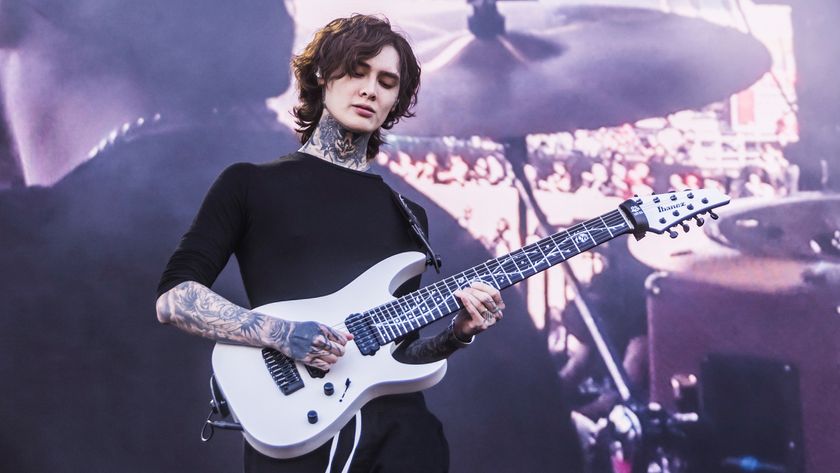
[{"x": 533, "y": 116}]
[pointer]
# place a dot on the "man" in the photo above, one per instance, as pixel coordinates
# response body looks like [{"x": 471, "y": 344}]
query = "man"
[{"x": 307, "y": 224}]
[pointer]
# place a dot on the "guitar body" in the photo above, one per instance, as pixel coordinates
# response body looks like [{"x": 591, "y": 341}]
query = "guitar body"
[{"x": 276, "y": 424}]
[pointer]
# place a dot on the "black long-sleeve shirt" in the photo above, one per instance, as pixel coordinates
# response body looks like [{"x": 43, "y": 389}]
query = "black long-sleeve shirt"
[{"x": 299, "y": 226}]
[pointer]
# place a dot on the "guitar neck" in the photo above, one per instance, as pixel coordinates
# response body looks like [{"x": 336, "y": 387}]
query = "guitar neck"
[{"x": 430, "y": 303}]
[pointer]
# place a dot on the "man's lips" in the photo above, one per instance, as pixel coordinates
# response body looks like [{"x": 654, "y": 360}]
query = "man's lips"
[{"x": 364, "y": 110}]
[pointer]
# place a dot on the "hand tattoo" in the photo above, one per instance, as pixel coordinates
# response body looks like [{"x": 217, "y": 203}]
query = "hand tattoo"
[{"x": 303, "y": 341}]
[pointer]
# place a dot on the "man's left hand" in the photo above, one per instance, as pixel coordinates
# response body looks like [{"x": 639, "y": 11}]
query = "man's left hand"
[{"x": 482, "y": 309}]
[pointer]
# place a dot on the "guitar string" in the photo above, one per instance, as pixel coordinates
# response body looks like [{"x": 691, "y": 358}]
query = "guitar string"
[
  {"x": 572, "y": 228},
  {"x": 652, "y": 204}
]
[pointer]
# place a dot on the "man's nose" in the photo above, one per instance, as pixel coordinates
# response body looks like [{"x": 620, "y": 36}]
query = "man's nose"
[{"x": 368, "y": 88}]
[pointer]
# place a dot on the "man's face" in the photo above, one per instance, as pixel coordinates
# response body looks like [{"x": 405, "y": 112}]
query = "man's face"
[{"x": 362, "y": 99}]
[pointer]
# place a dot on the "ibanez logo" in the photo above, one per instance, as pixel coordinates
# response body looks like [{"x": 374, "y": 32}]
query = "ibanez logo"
[{"x": 665, "y": 208}]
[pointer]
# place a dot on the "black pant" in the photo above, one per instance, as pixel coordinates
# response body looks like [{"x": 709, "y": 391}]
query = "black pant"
[{"x": 399, "y": 434}]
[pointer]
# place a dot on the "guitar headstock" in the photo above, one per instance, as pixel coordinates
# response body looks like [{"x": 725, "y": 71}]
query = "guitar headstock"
[{"x": 662, "y": 212}]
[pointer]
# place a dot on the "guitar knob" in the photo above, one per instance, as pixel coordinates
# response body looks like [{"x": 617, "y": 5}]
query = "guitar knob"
[
  {"x": 329, "y": 389},
  {"x": 672, "y": 233},
  {"x": 685, "y": 227},
  {"x": 713, "y": 215},
  {"x": 699, "y": 220},
  {"x": 312, "y": 416}
]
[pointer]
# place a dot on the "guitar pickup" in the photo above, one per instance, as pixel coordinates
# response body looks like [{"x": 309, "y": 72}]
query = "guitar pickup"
[{"x": 283, "y": 371}]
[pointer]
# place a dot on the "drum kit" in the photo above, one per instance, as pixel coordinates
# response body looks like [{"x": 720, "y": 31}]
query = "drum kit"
[{"x": 518, "y": 68}]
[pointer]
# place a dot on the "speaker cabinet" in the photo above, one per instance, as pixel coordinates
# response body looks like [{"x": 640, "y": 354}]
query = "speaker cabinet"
[{"x": 689, "y": 321}]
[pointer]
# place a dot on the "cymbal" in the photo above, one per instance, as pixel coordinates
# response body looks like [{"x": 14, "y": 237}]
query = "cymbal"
[
  {"x": 557, "y": 69},
  {"x": 758, "y": 244},
  {"x": 804, "y": 227}
]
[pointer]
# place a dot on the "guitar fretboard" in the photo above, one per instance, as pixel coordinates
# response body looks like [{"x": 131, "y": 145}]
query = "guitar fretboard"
[{"x": 435, "y": 301}]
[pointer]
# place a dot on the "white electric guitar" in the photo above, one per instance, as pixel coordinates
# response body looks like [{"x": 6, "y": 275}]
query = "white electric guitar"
[{"x": 286, "y": 410}]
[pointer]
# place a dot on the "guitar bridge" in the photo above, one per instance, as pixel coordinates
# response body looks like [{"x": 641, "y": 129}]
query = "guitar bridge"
[{"x": 283, "y": 371}]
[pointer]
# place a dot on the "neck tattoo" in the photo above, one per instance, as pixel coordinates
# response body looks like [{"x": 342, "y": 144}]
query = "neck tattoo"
[{"x": 334, "y": 143}]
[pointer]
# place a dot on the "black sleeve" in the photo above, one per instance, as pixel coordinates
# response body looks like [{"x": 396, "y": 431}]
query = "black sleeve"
[{"x": 214, "y": 234}]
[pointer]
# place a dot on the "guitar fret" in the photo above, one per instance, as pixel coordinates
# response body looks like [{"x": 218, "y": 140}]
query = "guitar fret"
[
  {"x": 424, "y": 309},
  {"x": 489, "y": 272},
  {"x": 535, "y": 247},
  {"x": 451, "y": 287},
  {"x": 593, "y": 232},
  {"x": 606, "y": 226},
  {"x": 569, "y": 236},
  {"x": 404, "y": 318},
  {"x": 528, "y": 258},
  {"x": 384, "y": 322},
  {"x": 411, "y": 314},
  {"x": 589, "y": 233},
  {"x": 513, "y": 260},
  {"x": 545, "y": 258},
  {"x": 401, "y": 318},
  {"x": 502, "y": 271},
  {"x": 475, "y": 274},
  {"x": 441, "y": 303},
  {"x": 559, "y": 248},
  {"x": 377, "y": 323},
  {"x": 394, "y": 319}
]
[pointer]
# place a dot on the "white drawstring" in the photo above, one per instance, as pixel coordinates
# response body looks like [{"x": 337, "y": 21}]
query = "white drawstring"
[
  {"x": 334, "y": 445},
  {"x": 332, "y": 451}
]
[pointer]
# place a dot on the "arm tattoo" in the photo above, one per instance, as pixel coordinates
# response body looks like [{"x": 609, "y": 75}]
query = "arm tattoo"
[
  {"x": 196, "y": 309},
  {"x": 426, "y": 350}
]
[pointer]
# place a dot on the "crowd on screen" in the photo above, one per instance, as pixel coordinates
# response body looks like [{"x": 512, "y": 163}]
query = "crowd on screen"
[{"x": 618, "y": 162}]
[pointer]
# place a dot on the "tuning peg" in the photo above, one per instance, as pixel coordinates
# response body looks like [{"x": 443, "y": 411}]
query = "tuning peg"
[
  {"x": 672, "y": 233},
  {"x": 713, "y": 215},
  {"x": 685, "y": 227},
  {"x": 699, "y": 220}
]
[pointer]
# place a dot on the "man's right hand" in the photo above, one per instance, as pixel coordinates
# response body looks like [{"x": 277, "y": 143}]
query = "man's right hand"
[{"x": 311, "y": 343}]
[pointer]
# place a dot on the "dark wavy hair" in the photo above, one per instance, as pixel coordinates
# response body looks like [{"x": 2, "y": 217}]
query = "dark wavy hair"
[{"x": 336, "y": 50}]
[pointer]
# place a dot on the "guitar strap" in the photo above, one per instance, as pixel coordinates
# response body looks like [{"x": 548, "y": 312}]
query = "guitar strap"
[{"x": 432, "y": 259}]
